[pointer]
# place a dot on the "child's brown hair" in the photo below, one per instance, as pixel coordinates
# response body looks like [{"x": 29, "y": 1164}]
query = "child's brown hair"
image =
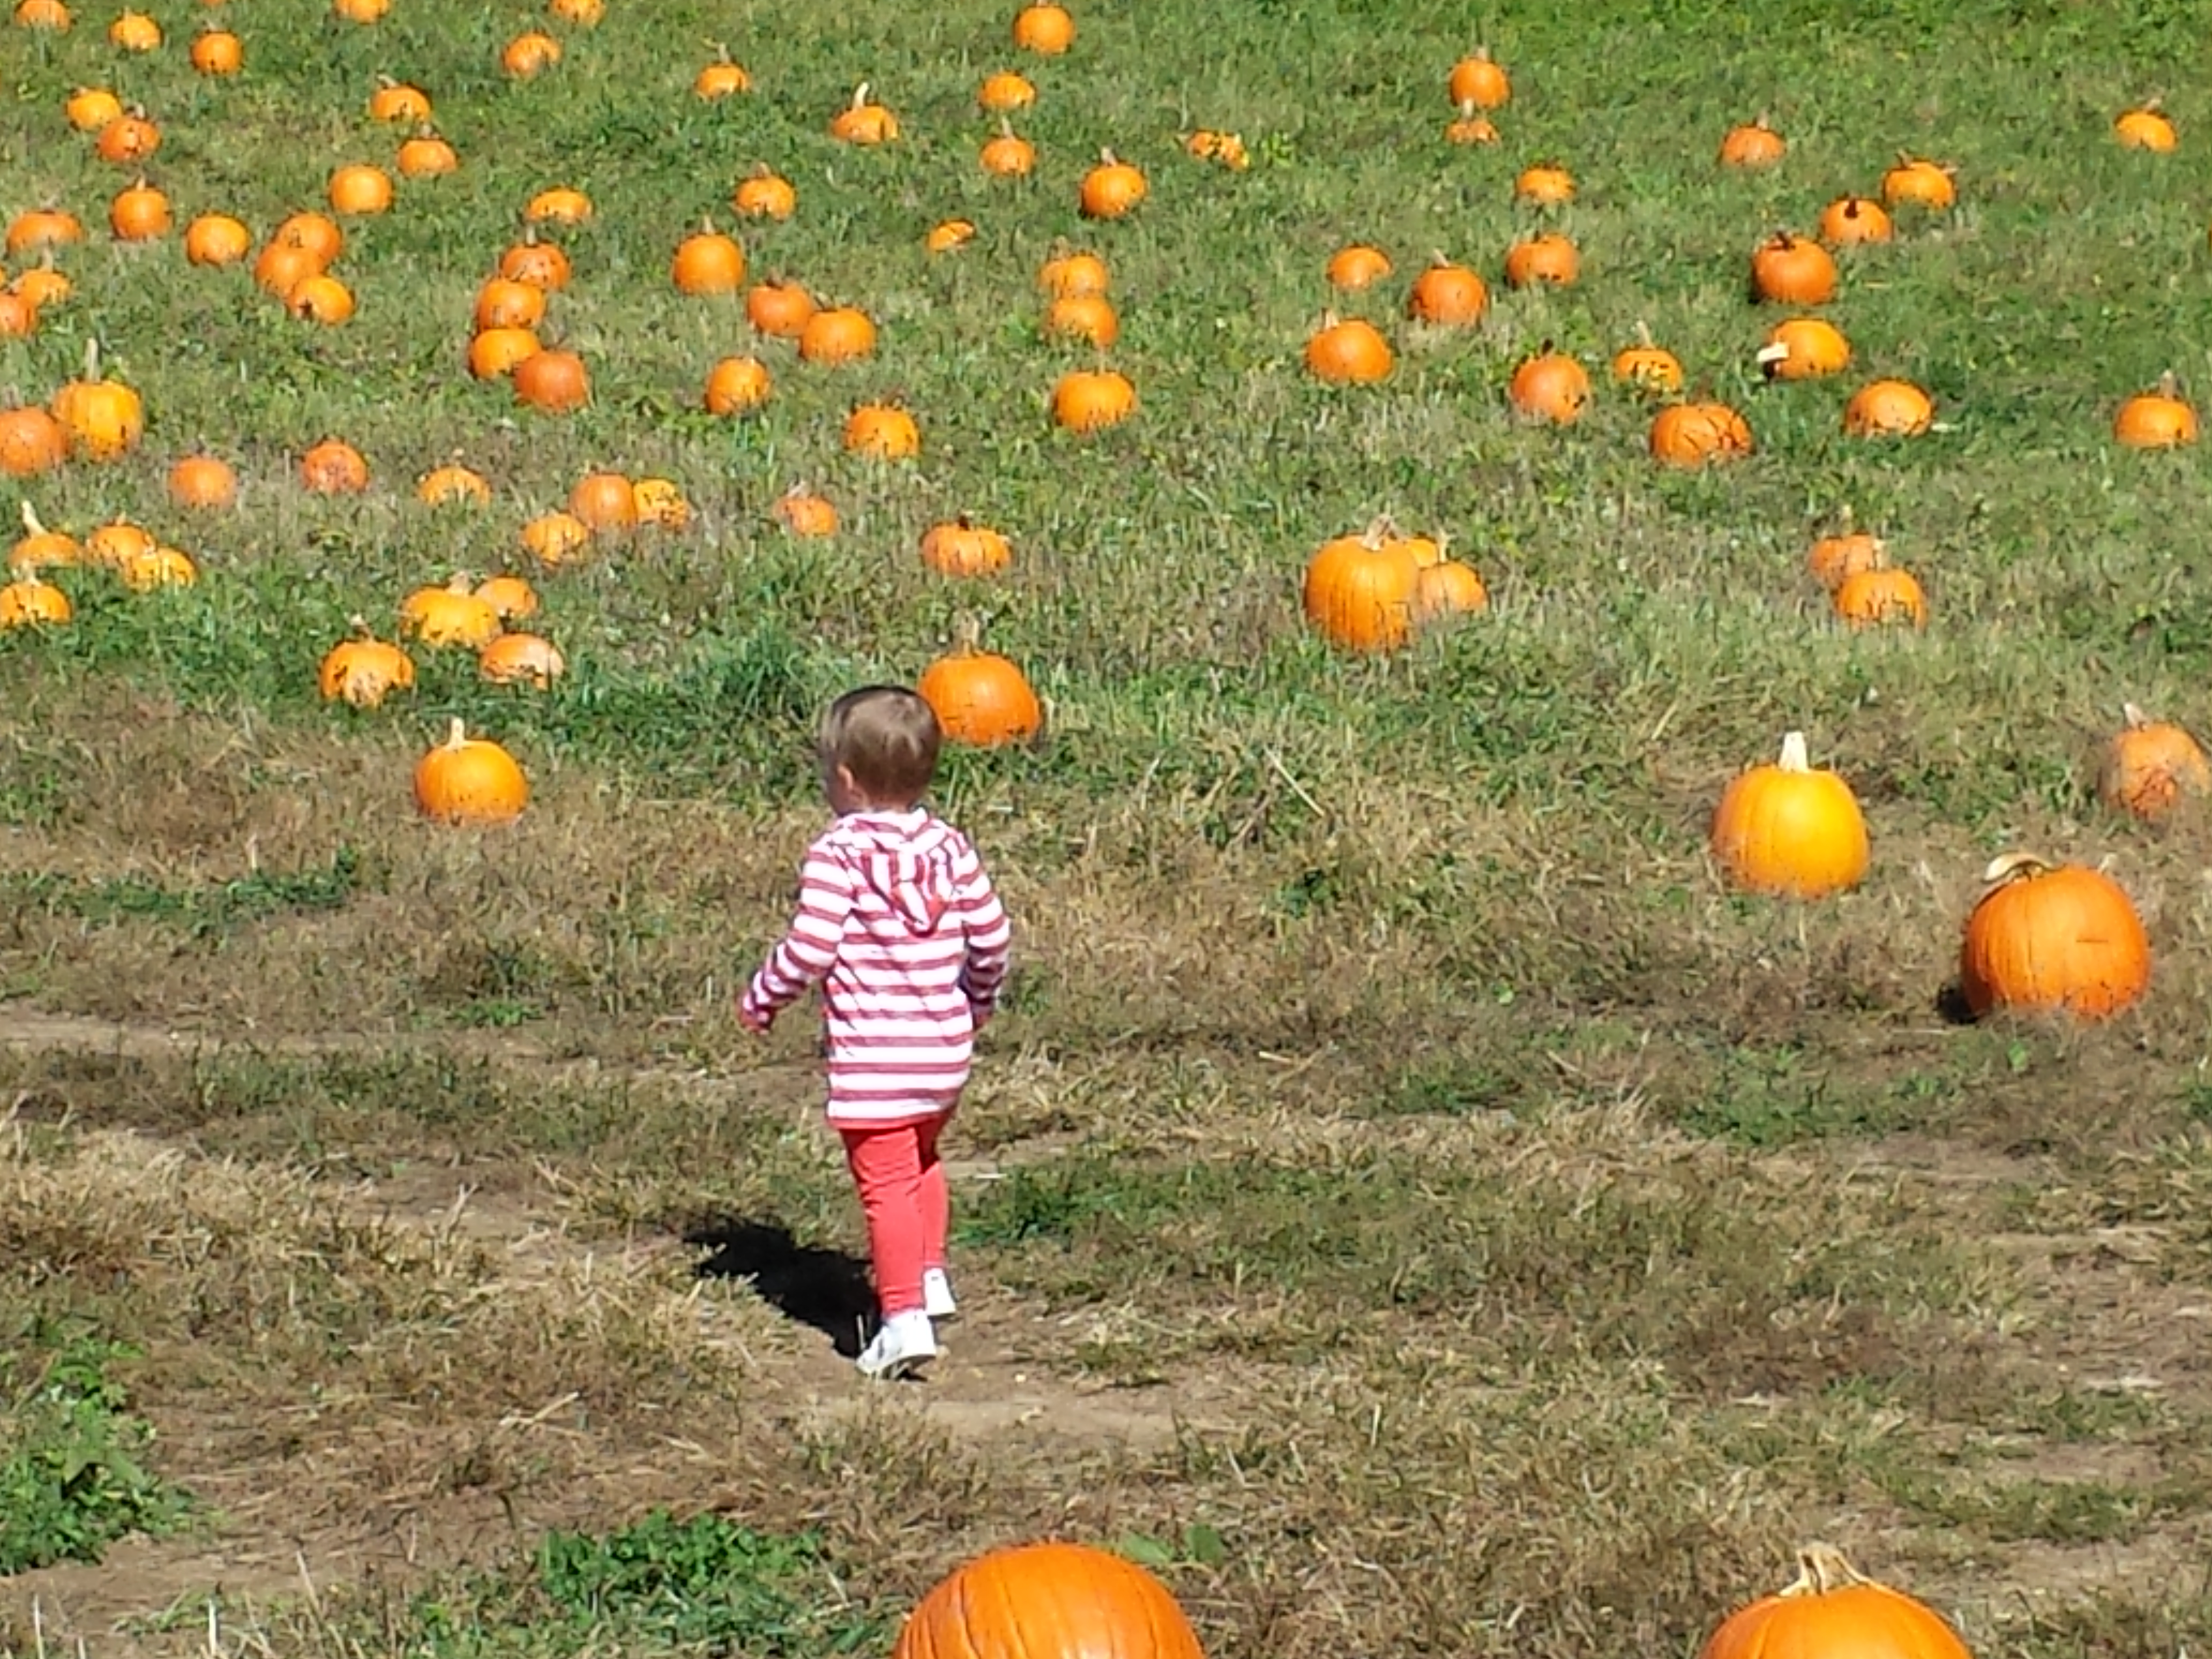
[{"x": 887, "y": 737}]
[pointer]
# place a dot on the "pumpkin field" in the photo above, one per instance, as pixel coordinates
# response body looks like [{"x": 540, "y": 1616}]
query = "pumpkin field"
[{"x": 1571, "y": 633}]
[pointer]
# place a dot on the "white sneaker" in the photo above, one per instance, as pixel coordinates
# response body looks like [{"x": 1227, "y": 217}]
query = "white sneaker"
[
  {"x": 937, "y": 1295},
  {"x": 905, "y": 1344}
]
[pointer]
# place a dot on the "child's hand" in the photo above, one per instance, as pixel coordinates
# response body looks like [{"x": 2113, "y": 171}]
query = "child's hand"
[
  {"x": 980, "y": 1014},
  {"x": 756, "y": 1020}
]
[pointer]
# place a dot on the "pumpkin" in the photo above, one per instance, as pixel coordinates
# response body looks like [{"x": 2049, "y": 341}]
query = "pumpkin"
[
  {"x": 839, "y": 334},
  {"x": 1803, "y": 348},
  {"x": 90, "y": 108},
  {"x": 1850, "y": 220},
  {"x": 47, "y": 14},
  {"x": 1048, "y": 1598},
  {"x": 1791, "y": 270},
  {"x": 502, "y": 302},
  {"x": 2145, "y": 128},
  {"x": 1829, "y": 1611},
  {"x": 1478, "y": 79},
  {"x": 707, "y": 261},
  {"x": 1066, "y": 275},
  {"x": 1469, "y": 128},
  {"x": 530, "y": 54},
  {"x": 394, "y": 100},
  {"x": 1005, "y": 91},
  {"x": 101, "y": 418},
  {"x": 1787, "y": 829},
  {"x": 1447, "y": 296},
  {"x": 521, "y": 660},
  {"x": 1753, "y": 144},
  {"x": 41, "y": 285},
  {"x": 2056, "y": 938},
  {"x": 863, "y": 123},
  {"x": 1008, "y": 156},
  {"x": 1088, "y": 400},
  {"x": 979, "y": 698},
  {"x": 1548, "y": 258},
  {"x": 280, "y": 267},
  {"x": 660, "y": 502},
  {"x": 494, "y": 352},
  {"x": 1699, "y": 434},
  {"x": 1445, "y": 591},
  {"x": 584, "y": 14},
  {"x": 360, "y": 11},
  {"x": 363, "y": 671},
  {"x": 2149, "y": 766},
  {"x": 553, "y": 382},
  {"x": 128, "y": 139},
  {"x": 40, "y": 547},
  {"x": 889, "y": 433},
  {"x": 334, "y": 467},
  {"x": 158, "y": 566},
  {"x": 1550, "y": 386},
  {"x": 720, "y": 78},
  {"x": 1647, "y": 367},
  {"x": 554, "y": 539},
  {"x": 218, "y": 51},
  {"x": 425, "y": 155},
  {"x": 1834, "y": 559},
  {"x": 511, "y": 597},
  {"x": 961, "y": 547},
  {"x": 779, "y": 307},
  {"x": 736, "y": 386},
  {"x": 1111, "y": 189},
  {"x": 1045, "y": 29},
  {"x": 43, "y": 228},
  {"x": 320, "y": 298},
  {"x": 950, "y": 234},
  {"x": 31, "y": 602},
  {"x": 359, "y": 188},
  {"x": 1545, "y": 186},
  {"x": 1919, "y": 183},
  {"x": 133, "y": 31},
  {"x": 541, "y": 264},
  {"x": 559, "y": 205},
  {"x": 31, "y": 440},
  {"x": 803, "y": 512},
  {"x": 139, "y": 213},
  {"x": 452, "y": 615},
  {"x": 2156, "y": 420},
  {"x": 203, "y": 481},
  {"x": 604, "y": 501},
  {"x": 114, "y": 544},
  {"x": 18, "y": 316},
  {"x": 1348, "y": 352},
  {"x": 1878, "y": 594},
  {"x": 766, "y": 194},
  {"x": 315, "y": 234},
  {"x": 1356, "y": 267},
  {"x": 1893, "y": 409},
  {"x": 216, "y": 238},
  {"x": 1358, "y": 589},
  {"x": 1090, "y": 318},
  {"x": 469, "y": 780},
  {"x": 452, "y": 482}
]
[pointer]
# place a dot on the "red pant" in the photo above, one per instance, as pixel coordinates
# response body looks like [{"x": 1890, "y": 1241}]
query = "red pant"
[{"x": 908, "y": 1204}]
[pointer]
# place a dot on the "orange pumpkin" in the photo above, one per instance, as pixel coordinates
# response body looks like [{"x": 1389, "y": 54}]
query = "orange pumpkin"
[
  {"x": 1045, "y": 29},
  {"x": 511, "y": 597},
  {"x": 1008, "y": 156},
  {"x": 316, "y": 236},
  {"x": 559, "y": 205},
  {"x": 1548, "y": 258},
  {"x": 30, "y": 603},
  {"x": 721, "y": 78},
  {"x": 737, "y": 386},
  {"x": 2145, "y": 127},
  {"x": 803, "y": 512},
  {"x": 1090, "y": 318},
  {"x": 202, "y": 483},
  {"x": 1359, "y": 589},
  {"x": 2053, "y": 938},
  {"x": 1834, "y": 559},
  {"x": 1785, "y": 829},
  {"x": 502, "y": 303},
  {"x": 1445, "y": 591},
  {"x": 1647, "y": 367},
  {"x": 839, "y": 334},
  {"x": 40, "y": 548},
  {"x": 102, "y": 419},
  {"x": 1112, "y": 189},
  {"x": 1803, "y": 348},
  {"x": 553, "y": 382},
  {"x": 660, "y": 503},
  {"x": 554, "y": 539},
  {"x": 362, "y": 671},
  {"x": 521, "y": 660},
  {"x": 1830, "y": 1611},
  {"x": 359, "y": 189},
  {"x": 882, "y": 431},
  {"x": 139, "y": 213},
  {"x": 280, "y": 267},
  {"x": 1888, "y": 409},
  {"x": 1791, "y": 270},
  {"x": 1881, "y": 594},
  {"x": 950, "y": 234},
  {"x": 158, "y": 567},
  {"x": 1047, "y": 1599},
  {"x": 1919, "y": 184},
  {"x": 2156, "y": 420},
  {"x": 1356, "y": 267},
  {"x": 425, "y": 155},
  {"x": 1348, "y": 352},
  {"x": 982, "y": 700},
  {"x": 1851, "y": 220},
  {"x": 2150, "y": 767},
  {"x": 134, "y": 31},
  {"x": 43, "y": 228},
  {"x": 1753, "y": 144},
  {"x": 90, "y": 108},
  {"x": 31, "y": 440},
  {"x": 452, "y": 482},
  {"x": 334, "y": 467},
  {"x": 216, "y": 238},
  {"x": 1479, "y": 80},
  {"x": 1469, "y": 127},
  {"x": 452, "y": 615},
  {"x": 1066, "y": 275},
  {"x": 541, "y": 264},
  {"x": 707, "y": 261},
  {"x": 1545, "y": 186},
  {"x": 1691, "y": 434},
  {"x": 1447, "y": 296},
  {"x": 218, "y": 51},
  {"x": 1550, "y": 386},
  {"x": 1089, "y": 400},
  {"x": 605, "y": 501},
  {"x": 961, "y": 547},
  {"x": 320, "y": 298},
  {"x": 494, "y": 352},
  {"x": 779, "y": 307},
  {"x": 469, "y": 780},
  {"x": 393, "y": 100},
  {"x": 41, "y": 285},
  {"x": 530, "y": 54},
  {"x": 1005, "y": 91},
  {"x": 128, "y": 140},
  {"x": 48, "y": 15},
  {"x": 766, "y": 194},
  {"x": 19, "y": 317},
  {"x": 861, "y": 122}
]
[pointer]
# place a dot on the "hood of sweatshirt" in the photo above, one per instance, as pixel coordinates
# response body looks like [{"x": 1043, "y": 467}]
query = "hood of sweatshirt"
[{"x": 907, "y": 859}]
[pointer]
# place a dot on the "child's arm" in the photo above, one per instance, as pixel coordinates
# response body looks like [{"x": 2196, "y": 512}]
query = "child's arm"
[
  {"x": 990, "y": 938},
  {"x": 808, "y": 950}
]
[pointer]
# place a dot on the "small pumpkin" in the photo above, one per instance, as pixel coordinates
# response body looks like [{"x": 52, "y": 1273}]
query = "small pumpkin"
[
  {"x": 1646, "y": 366},
  {"x": 216, "y": 238},
  {"x": 1044, "y": 29},
  {"x": 960, "y": 547},
  {"x": 529, "y": 55},
  {"x": 559, "y": 205},
  {"x": 1348, "y": 351},
  {"x": 139, "y": 213},
  {"x": 1478, "y": 79},
  {"x": 1753, "y": 144},
  {"x": 502, "y": 302},
  {"x": 952, "y": 233},
  {"x": 1835, "y": 559},
  {"x": 1090, "y": 400},
  {"x": 553, "y": 382},
  {"x": 129, "y": 140},
  {"x": 1853, "y": 221},
  {"x": 527, "y": 659},
  {"x": 41, "y": 285},
  {"x": 360, "y": 11},
  {"x": 30, "y": 603},
  {"x": 2145, "y": 127},
  {"x": 1358, "y": 266},
  {"x": 1358, "y": 589},
  {"x": 280, "y": 267},
  {"x": 1787, "y": 269},
  {"x": 511, "y": 597},
  {"x": 359, "y": 188},
  {"x": 90, "y": 108},
  {"x": 1005, "y": 92},
  {"x": 709, "y": 262},
  {"x": 1785, "y": 829},
  {"x": 981, "y": 699},
  {"x": 779, "y": 308},
  {"x": 47, "y": 15},
  {"x": 536, "y": 262},
  {"x": 884, "y": 431},
  {"x": 2054, "y": 937},
  {"x": 1550, "y": 386},
  {"x": 134, "y": 31},
  {"x": 1445, "y": 591},
  {"x": 396, "y": 101},
  {"x": 115, "y": 544},
  {"x": 720, "y": 78},
  {"x": 218, "y": 51},
  {"x": 40, "y": 549},
  {"x": 2159, "y": 419},
  {"x": 1066, "y": 274},
  {"x": 102, "y": 418},
  {"x": 1881, "y": 594},
  {"x": 31, "y": 440},
  {"x": 43, "y": 228},
  {"x": 1548, "y": 257},
  {"x": 660, "y": 503},
  {"x": 1112, "y": 189},
  {"x": 1090, "y": 318},
  {"x": 1803, "y": 348},
  {"x": 19, "y": 317},
  {"x": 737, "y": 386},
  {"x": 321, "y": 298},
  {"x": 494, "y": 352},
  {"x": 1691, "y": 434},
  {"x": 452, "y": 615},
  {"x": 425, "y": 155},
  {"x": 1919, "y": 184},
  {"x": 1830, "y": 1610},
  {"x": 469, "y": 780},
  {"x": 584, "y": 14},
  {"x": 837, "y": 334},
  {"x": 606, "y": 501},
  {"x": 363, "y": 671},
  {"x": 2150, "y": 767},
  {"x": 1545, "y": 186},
  {"x": 1888, "y": 409},
  {"x": 765, "y": 194},
  {"x": 554, "y": 539},
  {"x": 334, "y": 467},
  {"x": 158, "y": 567},
  {"x": 803, "y": 512},
  {"x": 1469, "y": 126},
  {"x": 452, "y": 482},
  {"x": 1008, "y": 155},
  {"x": 1447, "y": 296},
  {"x": 864, "y": 123},
  {"x": 317, "y": 236},
  {"x": 202, "y": 483}
]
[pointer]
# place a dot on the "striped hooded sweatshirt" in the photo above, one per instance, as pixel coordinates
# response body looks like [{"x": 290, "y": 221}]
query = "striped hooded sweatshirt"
[{"x": 899, "y": 925}]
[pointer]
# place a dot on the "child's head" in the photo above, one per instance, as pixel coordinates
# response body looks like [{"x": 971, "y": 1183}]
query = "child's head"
[{"x": 878, "y": 747}]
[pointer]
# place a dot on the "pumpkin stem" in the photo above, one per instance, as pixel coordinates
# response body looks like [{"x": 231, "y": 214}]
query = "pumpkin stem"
[
  {"x": 1794, "y": 757},
  {"x": 1107, "y": 159},
  {"x": 2135, "y": 718},
  {"x": 460, "y": 583},
  {"x": 1466, "y": 109},
  {"x": 722, "y": 51},
  {"x": 31, "y": 520},
  {"x": 1822, "y": 1568},
  {"x": 2168, "y": 385},
  {"x": 1644, "y": 334},
  {"x": 861, "y": 96},
  {"x": 2013, "y": 867},
  {"x": 967, "y": 634},
  {"x": 357, "y": 625},
  {"x": 1768, "y": 355},
  {"x": 1381, "y": 530},
  {"x": 91, "y": 360},
  {"x": 456, "y": 734}
]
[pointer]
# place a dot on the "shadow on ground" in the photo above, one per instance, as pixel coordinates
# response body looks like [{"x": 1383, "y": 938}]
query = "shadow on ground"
[{"x": 825, "y": 1289}]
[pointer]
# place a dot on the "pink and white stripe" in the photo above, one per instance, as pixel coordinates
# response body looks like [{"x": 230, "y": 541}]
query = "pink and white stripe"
[{"x": 898, "y": 923}]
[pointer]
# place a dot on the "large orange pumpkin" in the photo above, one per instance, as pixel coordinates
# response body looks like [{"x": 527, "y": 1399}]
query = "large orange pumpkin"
[
  {"x": 2149, "y": 767},
  {"x": 1064, "y": 1601},
  {"x": 469, "y": 780},
  {"x": 983, "y": 699},
  {"x": 1831, "y": 1612},
  {"x": 2052, "y": 937},
  {"x": 1793, "y": 271},
  {"x": 1350, "y": 351},
  {"x": 1359, "y": 589},
  {"x": 101, "y": 418},
  {"x": 1783, "y": 828},
  {"x": 1696, "y": 433}
]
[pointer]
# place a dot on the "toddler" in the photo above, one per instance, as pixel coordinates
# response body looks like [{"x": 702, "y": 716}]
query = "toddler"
[{"x": 898, "y": 923}]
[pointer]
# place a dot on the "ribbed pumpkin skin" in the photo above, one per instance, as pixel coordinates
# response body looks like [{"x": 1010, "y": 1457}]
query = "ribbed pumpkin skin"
[
  {"x": 1855, "y": 1621},
  {"x": 2064, "y": 938},
  {"x": 1360, "y": 591},
  {"x": 1791, "y": 830},
  {"x": 981, "y": 698},
  {"x": 1049, "y": 1601}
]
